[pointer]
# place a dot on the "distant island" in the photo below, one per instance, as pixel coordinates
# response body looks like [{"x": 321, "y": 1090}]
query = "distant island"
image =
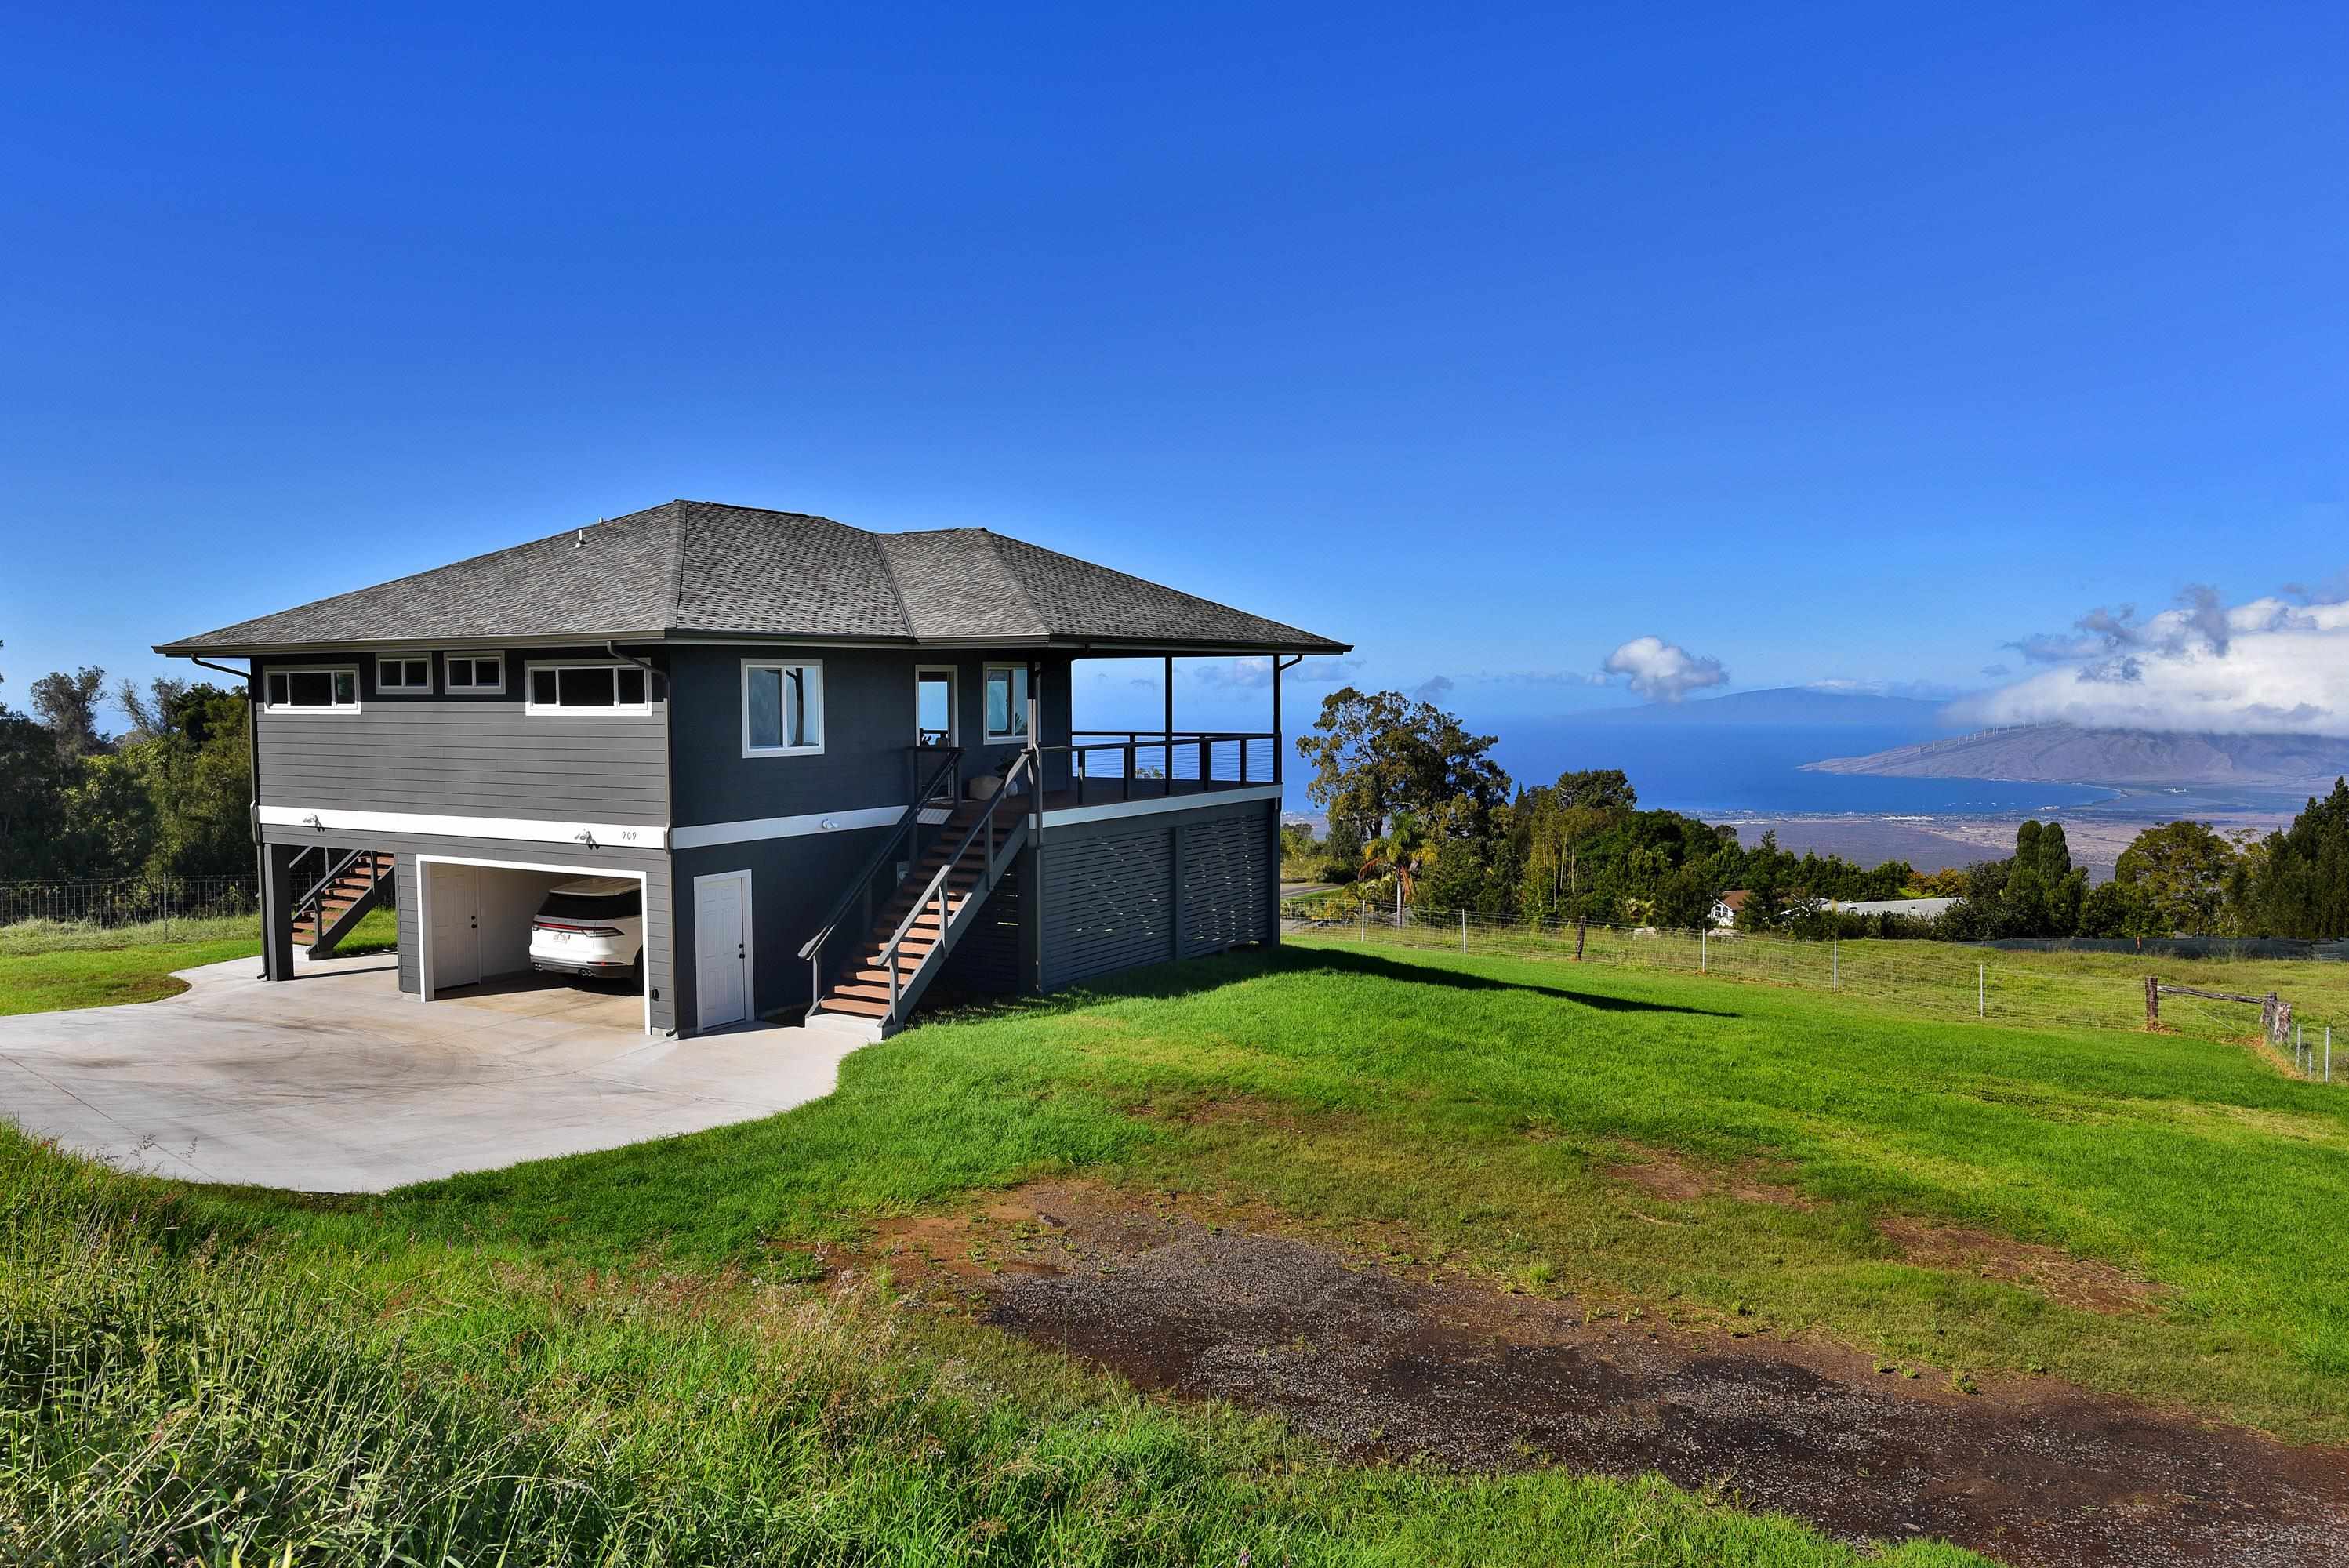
[{"x": 2066, "y": 754}]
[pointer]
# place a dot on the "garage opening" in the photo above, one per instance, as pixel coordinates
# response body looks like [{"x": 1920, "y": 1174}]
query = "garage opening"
[{"x": 561, "y": 944}]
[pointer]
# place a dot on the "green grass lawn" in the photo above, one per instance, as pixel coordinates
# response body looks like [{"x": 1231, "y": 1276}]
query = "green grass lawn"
[
  {"x": 627, "y": 1320},
  {"x": 46, "y": 967}
]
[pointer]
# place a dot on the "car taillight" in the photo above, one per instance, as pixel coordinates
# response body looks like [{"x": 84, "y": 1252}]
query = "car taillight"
[{"x": 578, "y": 930}]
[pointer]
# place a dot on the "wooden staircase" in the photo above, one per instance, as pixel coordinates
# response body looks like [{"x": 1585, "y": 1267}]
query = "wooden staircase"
[
  {"x": 863, "y": 989},
  {"x": 351, "y": 886},
  {"x": 912, "y": 931}
]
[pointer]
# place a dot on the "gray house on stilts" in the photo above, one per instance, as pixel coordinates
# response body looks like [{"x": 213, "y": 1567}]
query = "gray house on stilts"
[{"x": 840, "y": 766}]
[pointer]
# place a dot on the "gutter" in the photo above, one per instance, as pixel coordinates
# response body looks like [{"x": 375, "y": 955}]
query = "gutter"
[{"x": 668, "y": 743}]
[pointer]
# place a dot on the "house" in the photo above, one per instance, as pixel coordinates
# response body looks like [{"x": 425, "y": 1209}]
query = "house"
[
  {"x": 838, "y": 765},
  {"x": 1725, "y": 907}
]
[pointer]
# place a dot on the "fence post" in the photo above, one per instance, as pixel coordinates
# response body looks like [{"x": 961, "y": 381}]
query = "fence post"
[
  {"x": 1834, "y": 964},
  {"x": 2152, "y": 1003},
  {"x": 1702, "y": 937},
  {"x": 1365, "y": 937},
  {"x": 2328, "y": 1053},
  {"x": 1581, "y": 927},
  {"x": 1464, "y": 933},
  {"x": 1982, "y": 991}
]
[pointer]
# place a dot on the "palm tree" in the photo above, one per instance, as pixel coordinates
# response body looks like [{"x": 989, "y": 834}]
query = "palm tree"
[{"x": 1404, "y": 851}]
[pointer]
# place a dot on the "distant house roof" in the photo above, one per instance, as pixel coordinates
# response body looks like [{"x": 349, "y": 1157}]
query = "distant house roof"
[
  {"x": 1734, "y": 899},
  {"x": 1921, "y": 908},
  {"x": 701, "y": 569}
]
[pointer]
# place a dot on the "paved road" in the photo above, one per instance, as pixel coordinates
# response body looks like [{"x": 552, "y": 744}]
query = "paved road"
[{"x": 335, "y": 1082}]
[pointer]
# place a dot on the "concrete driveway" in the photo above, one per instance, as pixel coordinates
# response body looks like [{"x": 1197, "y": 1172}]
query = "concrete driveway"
[{"x": 335, "y": 1082}]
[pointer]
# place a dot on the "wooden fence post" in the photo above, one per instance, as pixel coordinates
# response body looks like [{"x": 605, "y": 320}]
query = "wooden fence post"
[
  {"x": 1581, "y": 928},
  {"x": 2152, "y": 1003}
]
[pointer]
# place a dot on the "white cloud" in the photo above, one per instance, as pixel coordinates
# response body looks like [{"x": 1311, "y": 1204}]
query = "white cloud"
[
  {"x": 2268, "y": 666},
  {"x": 1661, "y": 670},
  {"x": 1435, "y": 688},
  {"x": 1256, "y": 674},
  {"x": 1926, "y": 691}
]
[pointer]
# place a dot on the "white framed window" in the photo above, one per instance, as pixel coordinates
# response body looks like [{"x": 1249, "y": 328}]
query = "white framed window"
[
  {"x": 1007, "y": 701},
  {"x": 403, "y": 673},
  {"x": 782, "y": 707},
  {"x": 473, "y": 672},
  {"x": 592, "y": 688},
  {"x": 313, "y": 688},
  {"x": 936, "y": 722}
]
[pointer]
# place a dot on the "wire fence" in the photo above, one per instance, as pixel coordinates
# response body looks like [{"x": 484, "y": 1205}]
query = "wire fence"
[
  {"x": 1958, "y": 981},
  {"x": 142, "y": 900}
]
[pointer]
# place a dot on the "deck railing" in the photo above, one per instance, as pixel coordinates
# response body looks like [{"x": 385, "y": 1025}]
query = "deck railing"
[{"x": 1105, "y": 765}]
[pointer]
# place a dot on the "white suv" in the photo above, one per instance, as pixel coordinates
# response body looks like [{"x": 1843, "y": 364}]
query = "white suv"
[{"x": 594, "y": 928}]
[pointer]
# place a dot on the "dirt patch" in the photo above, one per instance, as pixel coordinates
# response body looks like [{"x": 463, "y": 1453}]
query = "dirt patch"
[
  {"x": 2050, "y": 1272},
  {"x": 1188, "y": 1296},
  {"x": 1670, "y": 1176}
]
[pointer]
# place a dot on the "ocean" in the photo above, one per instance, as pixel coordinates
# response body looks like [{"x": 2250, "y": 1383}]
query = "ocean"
[
  {"x": 1720, "y": 773},
  {"x": 1756, "y": 769}
]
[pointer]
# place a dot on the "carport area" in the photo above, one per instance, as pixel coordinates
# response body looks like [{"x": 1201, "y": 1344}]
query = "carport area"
[
  {"x": 336, "y": 1081},
  {"x": 475, "y": 927}
]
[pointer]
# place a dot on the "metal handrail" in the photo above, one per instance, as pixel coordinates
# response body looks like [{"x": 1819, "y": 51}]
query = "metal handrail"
[
  {"x": 938, "y": 883},
  {"x": 880, "y": 857},
  {"x": 315, "y": 900}
]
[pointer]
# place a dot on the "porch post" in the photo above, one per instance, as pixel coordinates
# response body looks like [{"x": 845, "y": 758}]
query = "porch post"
[
  {"x": 1169, "y": 787},
  {"x": 277, "y": 909},
  {"x": 1277, "y": 748}
]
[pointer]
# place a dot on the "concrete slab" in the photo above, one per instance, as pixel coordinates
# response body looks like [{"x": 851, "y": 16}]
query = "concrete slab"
[
  {"x": 335, "y": 1082},
  {"x": 533, "y": 995}
]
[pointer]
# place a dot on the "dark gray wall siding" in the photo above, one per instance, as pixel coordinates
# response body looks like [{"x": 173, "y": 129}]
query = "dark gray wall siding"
[
  {"x": 660, "y": 944},
  {"x": 793, "y": 882},
  {"x": 868, "y": 732},
  {"x": 468, "y": 756},
  {"x": 1130, "y": 890}
]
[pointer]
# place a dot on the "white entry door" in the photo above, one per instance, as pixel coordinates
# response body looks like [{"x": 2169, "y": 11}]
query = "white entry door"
[
  {"x": 456, "y": 926},
  {"x": 721, "y": 949}
]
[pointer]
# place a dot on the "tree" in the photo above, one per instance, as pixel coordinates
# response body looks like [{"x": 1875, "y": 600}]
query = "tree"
[
  {"x": 1380, "y": 754},
  {"x": 2177, "y": 875},
  {"x": 187, "y": 745},
  {"x": 32, "y": 777},
  {"x": 2296, "y": 883},
  {"x": 1683, "y": 901},
  {"x": 1402, "y": 853},
  {"x": 1596, "y": 790},
  {"x": 66, "y": 706}
]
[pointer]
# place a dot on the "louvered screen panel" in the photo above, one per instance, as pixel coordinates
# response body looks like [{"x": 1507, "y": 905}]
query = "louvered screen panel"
[
  {"x": 1225, "y": 872},
  {"x": 1107, "y": 903}
]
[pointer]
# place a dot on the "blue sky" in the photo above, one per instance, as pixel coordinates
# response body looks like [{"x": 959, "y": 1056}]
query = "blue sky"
[{"x": 1826, "y": 342}]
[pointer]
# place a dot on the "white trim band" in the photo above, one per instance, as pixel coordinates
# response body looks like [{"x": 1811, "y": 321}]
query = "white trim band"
[
  {"x": 1073, "y": 815},
  {"x": 702, "y": 835},
  {"x": 600, "y": 835}
]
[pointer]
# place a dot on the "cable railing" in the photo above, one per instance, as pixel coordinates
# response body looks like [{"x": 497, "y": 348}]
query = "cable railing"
[
  {"x": 126, "y": 900},
  {"x": 1100, "y": 766}
]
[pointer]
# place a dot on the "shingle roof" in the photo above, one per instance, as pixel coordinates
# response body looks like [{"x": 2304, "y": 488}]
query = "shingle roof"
[{"x": 700, "y": 567}]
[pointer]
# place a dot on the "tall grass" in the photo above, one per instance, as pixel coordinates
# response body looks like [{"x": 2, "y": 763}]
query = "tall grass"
[{"x": 176, "y": 1395}]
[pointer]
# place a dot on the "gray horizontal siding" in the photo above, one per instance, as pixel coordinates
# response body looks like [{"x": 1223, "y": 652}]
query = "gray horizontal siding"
[{"x": 469, "y": 756}]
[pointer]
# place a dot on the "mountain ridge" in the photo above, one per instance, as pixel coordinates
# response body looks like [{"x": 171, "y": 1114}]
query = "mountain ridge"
[{"x": 2067, "y": 754}]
